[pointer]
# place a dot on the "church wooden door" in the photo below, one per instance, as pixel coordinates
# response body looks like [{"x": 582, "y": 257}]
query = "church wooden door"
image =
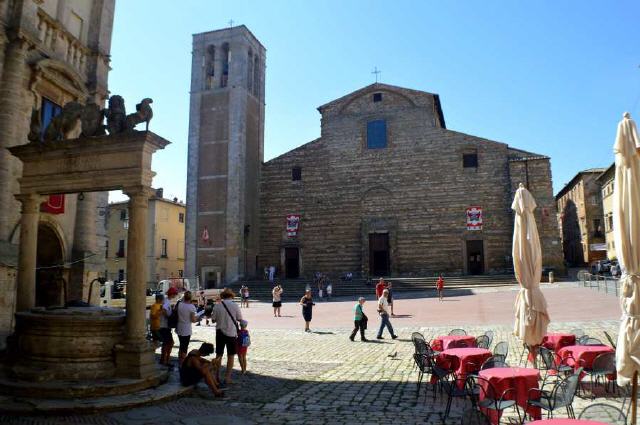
[
  {"x": 379, "y": 254},
  {"x": 292, "y": 263},
  {"x": 475, "y": 257}
]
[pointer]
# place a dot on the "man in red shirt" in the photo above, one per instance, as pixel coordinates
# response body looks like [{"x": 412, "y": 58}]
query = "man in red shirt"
[{"x": 380, "y": 287}]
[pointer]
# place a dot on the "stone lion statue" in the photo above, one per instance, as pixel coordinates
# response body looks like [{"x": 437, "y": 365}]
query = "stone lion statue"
[
  {"x": 62, "y": 125},
  {"x": 116, "y": 115}
]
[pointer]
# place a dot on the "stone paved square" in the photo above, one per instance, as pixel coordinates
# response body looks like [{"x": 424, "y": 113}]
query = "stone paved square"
[{"x": 323, "y": 378}]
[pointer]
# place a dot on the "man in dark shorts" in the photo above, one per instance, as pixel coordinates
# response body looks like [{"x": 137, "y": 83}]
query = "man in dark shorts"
[
  {"x": 195, "y": 368},
  {"x": 226, "y": 315}
]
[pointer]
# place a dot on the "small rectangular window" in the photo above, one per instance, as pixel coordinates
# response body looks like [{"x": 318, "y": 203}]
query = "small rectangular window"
[
  {"x": 120, "y": 275},
  {"x": 163, "y": 254},
  {"x": 49, "y": 110},
  {"x": 123, "y": 215},
  {"x": 377, "y": 97},
  {"x": 180, "y": 273},
  {"x": 181, "y": 217},
  {"x": 106, "y": 249},
  {"x": 296, "y": 173},
  {"x": 470, "y": 160},
  {"x": 377, "y": 134},
  {"x": 120, "y": 252}
]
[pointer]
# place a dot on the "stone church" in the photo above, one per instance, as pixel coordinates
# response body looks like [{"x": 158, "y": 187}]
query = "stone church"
[{"x": 386, "y": 190}]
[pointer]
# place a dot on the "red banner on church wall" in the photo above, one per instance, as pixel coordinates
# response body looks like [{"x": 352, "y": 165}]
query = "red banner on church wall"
[
  {"x": 474, "y": 218},
  {"x": 293, "y": 225},
  {"x": 53, "y": 205}
]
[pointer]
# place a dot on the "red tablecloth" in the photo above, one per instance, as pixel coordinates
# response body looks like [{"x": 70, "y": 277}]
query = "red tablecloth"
[
  {"x": 441, "y": 343},
  {"x": 522, "y": 379},
  {"x": 566, "y": 422},
  {"x": 463, "y": 361},
  {"x": 584, "y": 355},
  {"x": 556, "y": 340}
]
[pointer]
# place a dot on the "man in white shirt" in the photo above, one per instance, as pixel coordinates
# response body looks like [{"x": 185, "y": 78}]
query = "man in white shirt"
[
  {"x": 226, "y": 316},
  {"x": 383, "y": 310},
  {"x": 186, "y": 316}
]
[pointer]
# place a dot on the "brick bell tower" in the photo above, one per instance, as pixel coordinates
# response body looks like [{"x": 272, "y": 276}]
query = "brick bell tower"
[{"x": 226, "y": 150}]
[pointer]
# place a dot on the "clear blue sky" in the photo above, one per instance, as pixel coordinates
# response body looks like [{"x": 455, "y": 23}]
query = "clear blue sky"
[{"x": 547, "y": 76}]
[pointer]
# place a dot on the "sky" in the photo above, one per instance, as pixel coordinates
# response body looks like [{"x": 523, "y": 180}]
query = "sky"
[{"x": 549, "y": 77}]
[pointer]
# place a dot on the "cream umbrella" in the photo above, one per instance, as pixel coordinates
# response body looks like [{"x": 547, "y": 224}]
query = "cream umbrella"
[
  {"x": 626, "y": 226},
  {"x": 531, "y": 314}
]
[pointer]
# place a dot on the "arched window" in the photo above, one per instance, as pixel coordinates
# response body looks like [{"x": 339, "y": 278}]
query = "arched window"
[
  {"x": 225, "y": 65},
  {"x": 210, "y": 66},
  {"x": 250, "y": 72},
  {"x": 256, "y": 76}
]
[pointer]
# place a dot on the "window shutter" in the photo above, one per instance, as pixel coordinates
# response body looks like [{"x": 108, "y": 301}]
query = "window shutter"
[{"x": 377, "y": 134}]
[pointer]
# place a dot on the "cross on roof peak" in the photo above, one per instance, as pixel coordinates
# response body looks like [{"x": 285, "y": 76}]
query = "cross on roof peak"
[
  {"x": 377, "y": 72},
  {"x": 230, "y": 23}
]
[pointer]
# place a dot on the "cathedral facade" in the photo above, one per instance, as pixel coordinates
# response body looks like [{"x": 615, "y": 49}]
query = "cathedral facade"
[{"x": 386, "y": 190}]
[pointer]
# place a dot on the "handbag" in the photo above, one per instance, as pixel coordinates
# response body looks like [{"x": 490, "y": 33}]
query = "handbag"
[{"x": 235, "y": 322}]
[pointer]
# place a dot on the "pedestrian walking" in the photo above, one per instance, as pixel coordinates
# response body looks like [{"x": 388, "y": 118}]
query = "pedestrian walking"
[
  {"x": 390, "y": 297},
  {"x": 208, "y": 310},
  {"x": 244, "y": 296},
  {"x": 272, "y": 273},
  {"x": 359, "y": 321},
  {"x": 226, "y": 316},
  {"x": 266, "y": 273},
  {"x": 379, "y": 288},
  {"x": 383, "y": 311},
  {"x": 329, "y": 290},
  {"x": 276, "y": 294},
  {"x": 307, "y": 309},
  {"x": 186, "y": 316},
  {"x": 440, "y": 286},
  {"x": 244, "y": 341}
]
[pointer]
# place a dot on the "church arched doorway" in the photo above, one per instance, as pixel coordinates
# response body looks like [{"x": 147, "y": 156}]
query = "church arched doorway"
[{"x": 49, "y": 260}]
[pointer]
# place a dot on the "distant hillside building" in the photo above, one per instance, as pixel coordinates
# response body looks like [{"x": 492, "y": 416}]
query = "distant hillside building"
[
  {"x": 387, "y": 189},
  {"x": 581, "y": 218},
  {"x": 165, "y": 240}
]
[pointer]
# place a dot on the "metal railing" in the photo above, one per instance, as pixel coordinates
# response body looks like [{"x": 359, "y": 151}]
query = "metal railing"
[{"x": 606, "y": 284}]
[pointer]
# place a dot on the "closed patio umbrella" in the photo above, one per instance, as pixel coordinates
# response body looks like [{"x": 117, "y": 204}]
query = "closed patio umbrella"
[
  {"x": 531, "y": 314},
  {"x": 626, "y": 226}
]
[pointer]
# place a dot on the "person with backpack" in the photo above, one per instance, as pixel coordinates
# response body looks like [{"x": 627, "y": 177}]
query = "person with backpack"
[
  {"x": 244, "y": 341},
  {"x": 226, "y": 315},
  {"x": 167, "y": 318}
]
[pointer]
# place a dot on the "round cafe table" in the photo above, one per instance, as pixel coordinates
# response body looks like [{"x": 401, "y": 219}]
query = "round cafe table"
[
  {"x": 463, "y": 361},
  {"x": 557, "y": 340},
  {"x": 582, "y": 355},
  {"x": 566, "y": 422},
  {"x": 521, "y": 379},
  {"x": 442, "y": 343}
]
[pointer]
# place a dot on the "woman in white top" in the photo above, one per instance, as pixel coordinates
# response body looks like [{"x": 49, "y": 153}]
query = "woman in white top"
[
  {"x": 277, "y": 299},
  {"x": 186, "y": 316}
]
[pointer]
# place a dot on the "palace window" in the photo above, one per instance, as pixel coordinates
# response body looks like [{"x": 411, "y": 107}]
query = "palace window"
[
  {"x": 163, "y": 245},
  {"x": 123, "y": 215},
  {"x": 120, "y": 275},
  {"x": 597, "y": 230},
  {"x": 377, "y": 97},
  {"x": 181, "y": 217},
  {"x": 180, "y": 273},
  {"x": 120, "y": 252},
  {"x": 296, "y": 174},
  {"x": 377, "y": 134},
  {"x": 48, "y": 111},
  {"x": 470, "y": 160}
]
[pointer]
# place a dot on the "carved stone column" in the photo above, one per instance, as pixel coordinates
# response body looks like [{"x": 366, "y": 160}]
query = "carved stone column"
[
  {"x": 11, "y": 93},
  {"x": 134, "y": 358},
  {"x": 26, "y": 288}
]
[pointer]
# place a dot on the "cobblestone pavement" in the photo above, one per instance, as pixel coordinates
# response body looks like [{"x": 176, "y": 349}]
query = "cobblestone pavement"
[{"x": 323, "y": 378}]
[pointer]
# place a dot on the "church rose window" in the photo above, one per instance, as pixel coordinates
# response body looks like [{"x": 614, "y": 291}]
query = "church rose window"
[{"x": 377, "y": 134}]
